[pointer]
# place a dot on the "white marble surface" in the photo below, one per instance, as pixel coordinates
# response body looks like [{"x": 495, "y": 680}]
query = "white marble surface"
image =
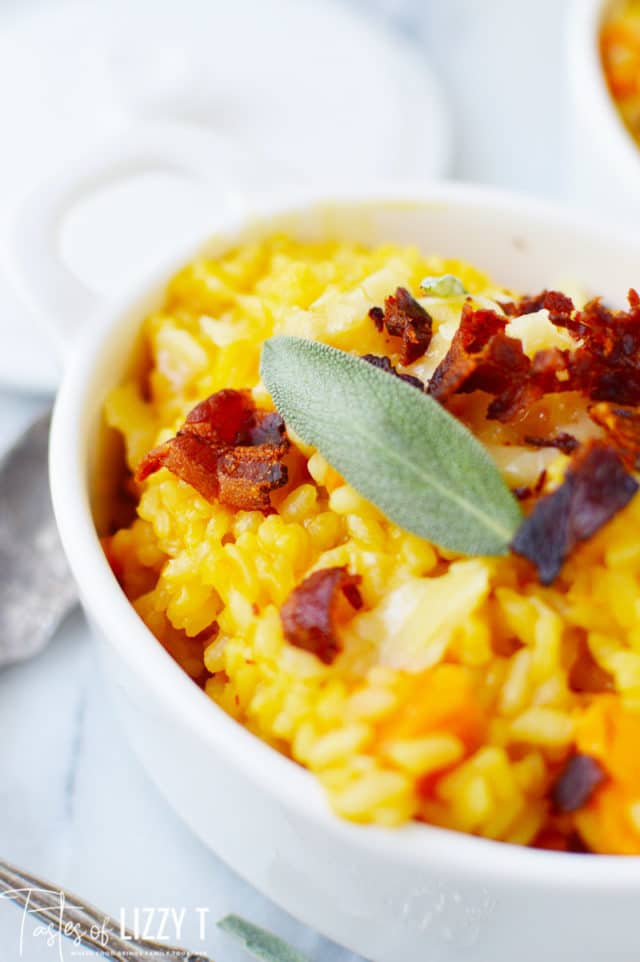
[{"x": 74, "y": 804}]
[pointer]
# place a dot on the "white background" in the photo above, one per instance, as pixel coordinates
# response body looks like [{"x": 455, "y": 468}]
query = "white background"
[{"x": 74, "y": 804}]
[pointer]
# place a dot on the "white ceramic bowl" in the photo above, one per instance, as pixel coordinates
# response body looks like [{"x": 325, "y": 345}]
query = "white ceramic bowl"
[
  {"x": 605, "y": 169},
  {"x": 415, "y": 894}
]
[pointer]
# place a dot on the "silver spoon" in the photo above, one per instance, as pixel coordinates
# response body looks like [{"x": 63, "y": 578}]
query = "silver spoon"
[{"x": 36, "y": 586}]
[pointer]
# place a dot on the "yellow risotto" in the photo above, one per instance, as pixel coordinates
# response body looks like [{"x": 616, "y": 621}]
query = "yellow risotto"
[{"x": 463, "y": 688}]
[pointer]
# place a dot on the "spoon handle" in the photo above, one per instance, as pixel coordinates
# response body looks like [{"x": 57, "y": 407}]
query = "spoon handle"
[{"x": 36, "y": 587}]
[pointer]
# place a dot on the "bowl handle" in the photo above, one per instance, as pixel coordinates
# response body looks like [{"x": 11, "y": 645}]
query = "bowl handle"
[{"x": 59, "y": 298}]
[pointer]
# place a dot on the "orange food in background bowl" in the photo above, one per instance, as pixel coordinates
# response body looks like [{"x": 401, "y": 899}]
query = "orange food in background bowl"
[{"x": 620, "y": 52}]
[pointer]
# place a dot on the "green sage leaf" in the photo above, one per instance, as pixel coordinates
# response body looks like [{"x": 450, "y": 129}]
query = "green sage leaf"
[
  {"x": 260, "y": 943},
  {"x": 397, "y": 446},
  {"x": 447, "y": 285}
]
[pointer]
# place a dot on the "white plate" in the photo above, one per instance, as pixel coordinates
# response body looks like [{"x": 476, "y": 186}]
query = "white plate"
[{"x": 316, "y": 92}]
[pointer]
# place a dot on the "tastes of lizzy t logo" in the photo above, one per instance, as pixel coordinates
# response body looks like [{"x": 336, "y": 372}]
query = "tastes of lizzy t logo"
[{"x": 74, "y": 931}]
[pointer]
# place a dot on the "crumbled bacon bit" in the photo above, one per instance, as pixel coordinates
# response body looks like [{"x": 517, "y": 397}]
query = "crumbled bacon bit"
[
  {"x": 384, "y": 364},
  {"x": 377, "y": 316},
  {"x": 562, "y": 441},
  {"x": 595, "y": 488},
  {"x": 510, "y": 308},
  {"x": 310, "y": 614},
  {"x": 577, "y": 782},
  {"x": 622, "y": 426},
  {"x": 606, "y": 367},
  {"x": 559, "y": 306},
  {"x": 481, "y": 357},
  {"x": 405, "y": 318},
  {"x": 227, "y": 450},
  {"x": 547, "y": 374},
  {"x": 529, "y": 304}
]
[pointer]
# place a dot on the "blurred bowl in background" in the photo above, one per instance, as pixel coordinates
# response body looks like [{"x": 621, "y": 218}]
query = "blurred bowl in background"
[{"x": 605, "y": 168}]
